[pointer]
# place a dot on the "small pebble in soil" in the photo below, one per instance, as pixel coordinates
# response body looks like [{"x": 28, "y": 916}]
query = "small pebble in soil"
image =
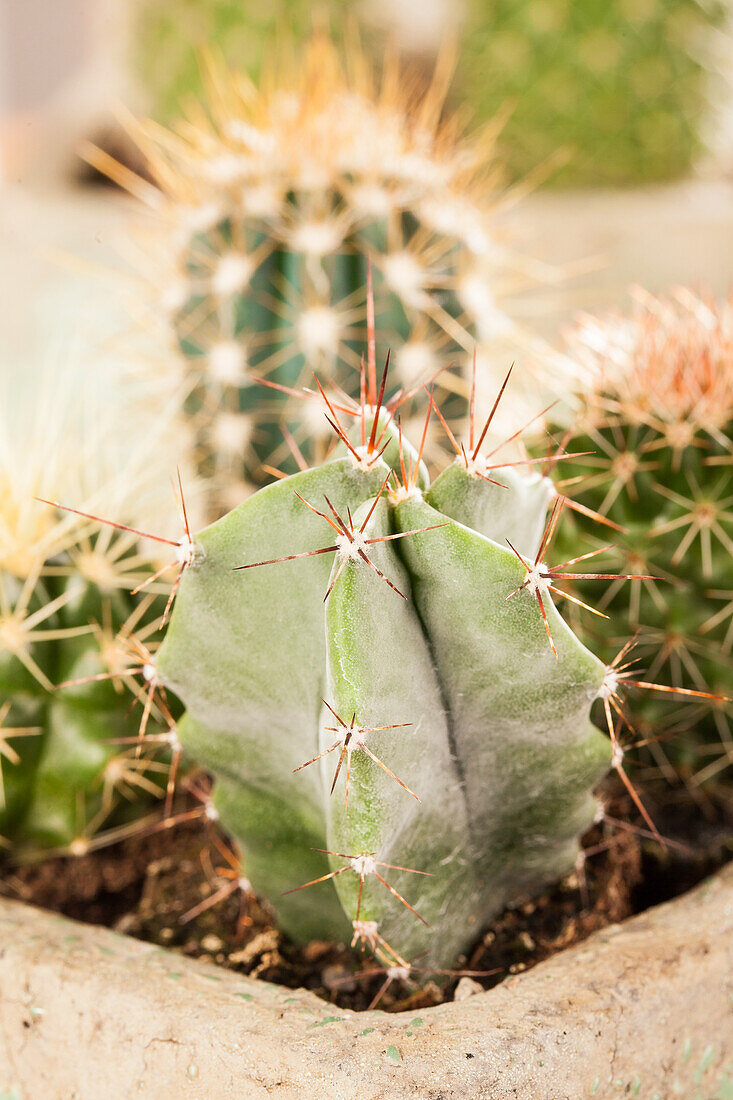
[
  {"x": 316, "y": 949},
  {"x": 467, "y": 987},
  {"x": 258, "y": 945}
]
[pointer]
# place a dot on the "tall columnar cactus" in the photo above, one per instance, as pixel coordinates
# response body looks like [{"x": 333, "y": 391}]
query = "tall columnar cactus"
[
  {"x": 274, "y": 202},
  {"x": 624, "y": 86},
  {"x": 659, "y": 421},
  {"x": 69, "y": 766},
  {"x": 397, "y": 717}
]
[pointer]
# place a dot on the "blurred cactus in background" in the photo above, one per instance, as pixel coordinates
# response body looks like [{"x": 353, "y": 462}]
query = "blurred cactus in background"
[
  {"x": 274, "y": 202},
  {"x": 169, "y": 36},
  {"x": 69, "y": 765},
  {"x": 623, "y": 85},
  {"x": 659, "y": 421}
]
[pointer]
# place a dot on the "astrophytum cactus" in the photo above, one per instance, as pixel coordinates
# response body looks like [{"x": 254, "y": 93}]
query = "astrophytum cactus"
[
  {"x": 271, "y": 204},
  {"x": 658, "y": 421},
  {"x": 396, "y": 716}
]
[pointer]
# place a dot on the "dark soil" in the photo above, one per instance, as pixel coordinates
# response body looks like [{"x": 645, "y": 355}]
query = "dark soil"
[{"x": 145, "y": 887}]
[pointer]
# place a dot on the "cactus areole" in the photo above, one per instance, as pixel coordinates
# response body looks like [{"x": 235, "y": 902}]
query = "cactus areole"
[{"x": 414, "y": 749}]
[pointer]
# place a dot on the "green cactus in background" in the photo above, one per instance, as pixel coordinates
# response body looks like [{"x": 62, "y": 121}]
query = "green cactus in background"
[
  {"x": 69, "y": 768},
  {"x": 276, "y": 201},
  {"x": 168, "y": 35},
  {"x": 70, "y": 775},
  {"x": 658, "y": 417},
  {"x": 417, "y": 746},
  {"x": 623, "y": 85}
]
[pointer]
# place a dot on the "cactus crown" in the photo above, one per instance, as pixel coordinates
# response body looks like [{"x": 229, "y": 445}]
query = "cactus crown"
[{"x": 670, "y": 359}]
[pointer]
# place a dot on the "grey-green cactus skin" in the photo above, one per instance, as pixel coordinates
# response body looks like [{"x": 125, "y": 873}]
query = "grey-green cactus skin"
[{"x": 499, "y": 749}]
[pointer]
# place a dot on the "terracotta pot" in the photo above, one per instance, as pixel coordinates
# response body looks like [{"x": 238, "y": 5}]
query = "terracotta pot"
[{"x": 643, "y": 1009}]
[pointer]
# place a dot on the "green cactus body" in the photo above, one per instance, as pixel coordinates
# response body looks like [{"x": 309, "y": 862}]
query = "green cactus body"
[
  {"x": 623, "y": 86},
  {"x": 659, "y": 421},
  {"x": 57, "y": 782},
  {"x": 465, "y": 745},
  {"x": 94, "y": 436}
]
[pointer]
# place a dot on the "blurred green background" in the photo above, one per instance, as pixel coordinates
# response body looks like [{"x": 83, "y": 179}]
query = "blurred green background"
[{"x": 626, "y": 91}]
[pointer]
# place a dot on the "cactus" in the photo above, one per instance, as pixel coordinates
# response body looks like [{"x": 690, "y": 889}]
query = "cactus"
[
  {"x": 658, "y": 418},
  {"x": 167, "y": 35},
  {"x": 623, "y": 86},
  {"x": 68, "y": 768},
  {"x": 72, "y": 776},
  {"x": 275, "y": 202},
  {"x": 397, "y": 717}
]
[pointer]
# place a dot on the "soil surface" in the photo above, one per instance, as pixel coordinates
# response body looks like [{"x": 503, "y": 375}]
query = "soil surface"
[{"x": 178, "y": 887}]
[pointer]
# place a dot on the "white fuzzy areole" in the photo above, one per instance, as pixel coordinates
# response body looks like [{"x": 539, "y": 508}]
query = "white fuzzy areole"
[
  {"x": 363, "y": 865},
  {"x": 317, "y": 238},
  {"x": 537, "y": 581},
  {"x": 398, "y": 973},
  {"x": 318, "y": 329},
  {"x": 349, "y": 546},
  {"x": 185, "y": 550},
  {"x": 405, "y": 492},
  {"x": 226, "y": 361},
  {"x": 365, "y": 931},
  {"x": 406, "y": 277},
  {"x": 171, "y": 739},
  {"x": 475, "y": 467},
  {"x": 231, "y": 274},
  {"x": 362, "y": 459},
  {"x": 610, "y": 684},
  {"x": 148, "y": 673}
]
